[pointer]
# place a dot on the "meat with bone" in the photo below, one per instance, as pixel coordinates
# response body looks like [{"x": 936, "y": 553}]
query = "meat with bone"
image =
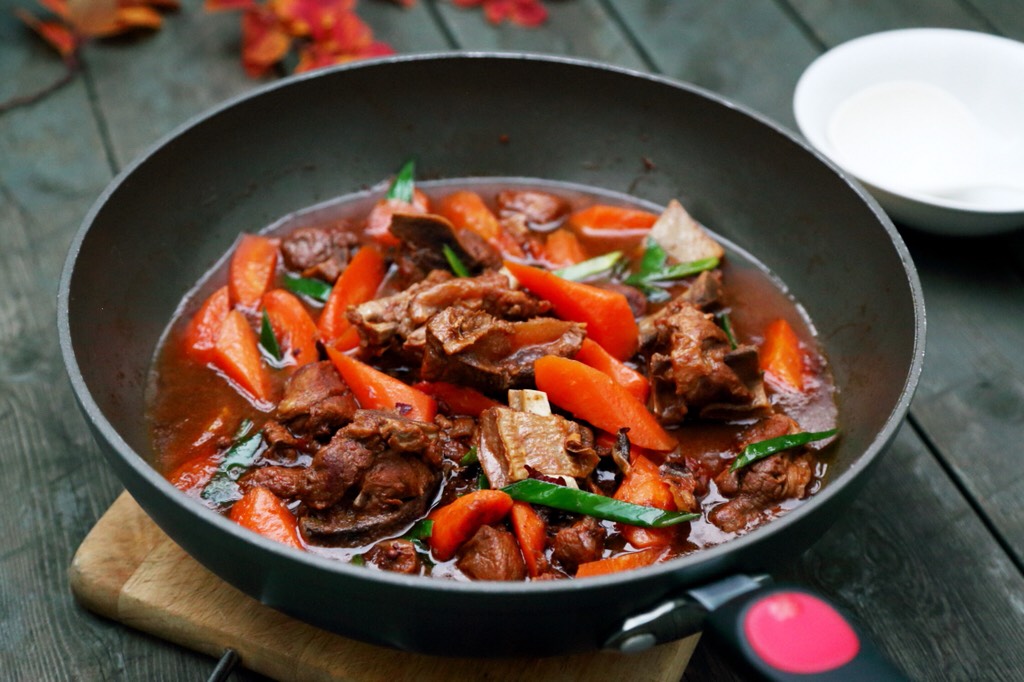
[
  {"x": 512, "y": 440},
  {"x": 579, "y": 543}
]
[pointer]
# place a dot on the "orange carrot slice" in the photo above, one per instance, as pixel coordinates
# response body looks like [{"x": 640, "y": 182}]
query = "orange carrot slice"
[
  {"x": 781, "y": 355},
  {"x": 457, "y": 522},
  {"x": 376, "y": 390},
  {"x": 595, "y": 397},
  {"x": 593, "y": 355},
  {"x": 622, "y": 562},
  {"x": 202, "y": 330},
  {"x": 252, "y": 269},
  {"x": 237, "y": 354},
  {"x": 294, "y": 328},
  {"x": 531, "y": 532},
  {"x": 265, "y": 513},
  {"x": 607, "y": 314},
  {"x": 357, "y": 284}
]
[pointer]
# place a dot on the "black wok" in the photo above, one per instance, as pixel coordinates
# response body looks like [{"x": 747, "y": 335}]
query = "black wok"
[{"x": 167, "y": 218}]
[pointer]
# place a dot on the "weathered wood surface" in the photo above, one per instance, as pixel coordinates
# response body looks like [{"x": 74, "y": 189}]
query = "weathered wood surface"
[{"x": 930, "y": 558}]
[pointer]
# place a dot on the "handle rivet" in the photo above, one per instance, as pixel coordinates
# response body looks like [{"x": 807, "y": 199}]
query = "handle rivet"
[{"x": 634, "y": 644}]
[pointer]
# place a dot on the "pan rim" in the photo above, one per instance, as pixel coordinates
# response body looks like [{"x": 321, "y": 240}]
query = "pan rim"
[{"x": 701, "y": 563}]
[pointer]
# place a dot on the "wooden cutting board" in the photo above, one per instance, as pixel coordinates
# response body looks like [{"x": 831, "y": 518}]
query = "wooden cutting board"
[{"x": 127, "y": 569}]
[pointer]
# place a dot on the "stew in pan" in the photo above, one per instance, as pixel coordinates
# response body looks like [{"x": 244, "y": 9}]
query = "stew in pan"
[{"x": 492, "y": 381}]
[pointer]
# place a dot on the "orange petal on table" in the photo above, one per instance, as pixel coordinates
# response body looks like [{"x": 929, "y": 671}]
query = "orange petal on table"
[
  {"x": 528, "y": 13},
  {"x": 57, "y": 35},
  {"x": 341, "y": 33},
  {"x": 93, "y": 17},
  {"x": 264, "y": 41}
]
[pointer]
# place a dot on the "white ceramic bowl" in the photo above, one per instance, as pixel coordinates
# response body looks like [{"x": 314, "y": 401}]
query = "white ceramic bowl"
[{"x": 876, "y": 106}]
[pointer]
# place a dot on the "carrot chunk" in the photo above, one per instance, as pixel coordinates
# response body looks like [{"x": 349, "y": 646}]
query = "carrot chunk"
[
  {"x": 562, "y": 248},
  {"x": 594, "y": 397},
  {"x": 357, "y": 284},
  {"x": 466, "y": 210},
  {"x": 781, "y": 355},
  {"x": 378, "y": 222},
  {"x": 593, "y": 355},
  {"x": 607, "y": 314},
  {"x": 252, "y": 269},
  {"x": 376, "y": 390},
  {"x": 202, "y": 330},
  {"x": 643, "y": 485},
  {"x": 294, "y": 328},
  {"x": 602, "y": 217},
  {"x": 459, "y": 399},
  {"x": 457, "y": 522},
  {"x": 237, "y": 355},
  {"x": 192, "y": 476},
  {"x": 622, "y": 562},
  {"x": 265, "y": 513},
  {"x": 531, "y": 532}
]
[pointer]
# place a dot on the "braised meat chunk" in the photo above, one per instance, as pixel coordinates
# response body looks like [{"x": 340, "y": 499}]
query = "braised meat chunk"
[
  {"x": 397, "y": 323},
  {"x": 319, "y": 252},
  {"x": 510, "y": 382},
  {"x": 475, "y": 348},
  {"x": 691, "y": 366},
  {"x": 492, "y": 554},
  {"x": 316, "y": 401}
]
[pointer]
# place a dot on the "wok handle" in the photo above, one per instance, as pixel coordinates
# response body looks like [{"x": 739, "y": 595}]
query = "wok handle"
[{"x": 789, "y": 633}]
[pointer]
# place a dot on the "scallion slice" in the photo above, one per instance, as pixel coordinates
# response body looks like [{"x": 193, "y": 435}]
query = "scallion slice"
[
  {"x": 267, "y": 339},
  {"x": 305, "y": 286},
  {"x": 590, "y": 268},
  {"x": 599, "y": 506},
  {"x": 402, "y": 186},
  {"x": 764, "y": 448},
  {"x": 454, "y": 262},
  {"x": 223, "y": 488}
]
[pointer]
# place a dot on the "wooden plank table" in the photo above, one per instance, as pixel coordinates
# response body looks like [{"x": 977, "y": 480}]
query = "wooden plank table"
[{"x": 930, "y": 557}]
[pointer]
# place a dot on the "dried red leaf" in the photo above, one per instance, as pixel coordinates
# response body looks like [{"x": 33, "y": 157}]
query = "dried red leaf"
[
  {"x": 302, "y": 17},
  {"x": 527, "y": 13},
  {"x": 264, "y": 41},
  {"x": 341, "y": 33},
  {"x": 315, "y": 56},
  {"x": 57, "y": 35}
]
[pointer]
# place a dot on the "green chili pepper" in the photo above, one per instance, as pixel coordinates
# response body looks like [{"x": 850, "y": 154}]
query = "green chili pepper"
[
  {"x": 267, "y": 338},
  {"x": 590, "y": 268},
  {"x": 454, "y": 262},
  {"x": 764, "y": 448},
  {"x": 223, "y": 488},
  {"x": 599, "y": 506},
  {"x": 313, "y": 288},
  {"x": 402, "y": 186}
]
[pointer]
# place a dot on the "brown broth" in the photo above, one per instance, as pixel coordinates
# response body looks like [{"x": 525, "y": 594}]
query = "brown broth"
[{"x": 184, "y": 398}]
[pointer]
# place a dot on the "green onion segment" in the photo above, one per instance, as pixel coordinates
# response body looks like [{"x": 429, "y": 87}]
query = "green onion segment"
[
  {"x": 223, "y": 488},
  {"x": 599, "y": 506},
  {"x": 454, "y": 262},
  {"x": 590, "y": 268},
  {"x": 764, "y": 448},
  {"x": 402, "y": 186},
  {"x": 316, "y": 289}
]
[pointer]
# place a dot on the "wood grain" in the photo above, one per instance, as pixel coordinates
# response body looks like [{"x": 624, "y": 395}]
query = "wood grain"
[{"x": 127, "y": 569}]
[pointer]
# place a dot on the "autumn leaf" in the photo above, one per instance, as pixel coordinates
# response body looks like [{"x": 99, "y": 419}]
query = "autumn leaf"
[
  {"x": 264, "y": 41},
  {"x": 56, "y": 34},
  {"x": 527, "y": 13}
]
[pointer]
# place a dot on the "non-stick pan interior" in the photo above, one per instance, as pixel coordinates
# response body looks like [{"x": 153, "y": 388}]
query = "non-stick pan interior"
[{"x": 171, "y": 215}]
